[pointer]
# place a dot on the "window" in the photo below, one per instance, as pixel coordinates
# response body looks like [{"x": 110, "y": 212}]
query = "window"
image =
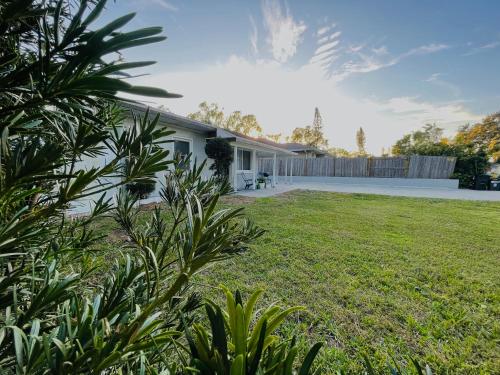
[
  {"x": 182, "y": 150},
  {"x": 244, "y": 160},
  {"x": 181, "y": 147}
]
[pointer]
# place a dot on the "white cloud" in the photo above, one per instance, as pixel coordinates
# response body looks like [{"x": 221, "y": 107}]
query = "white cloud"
[
  {"x": 329, "y": 37},
  {"x": 323, "y": 56},
  {"x": 284, "y": 98},
  {"x": 325, "y": 47},
  {"x": 425, "y": 49},
  {"x": 483, "y": 48},
  {"x": 284, "y": 33},
  {"x": 449, "y": 115},
  {"x": 165, "y": 4},
  {"x": 323, "y": 30},
  {"x": 254, "y": 36},
  {"x": 491, "y": 45},
  {"x": 356, "y": 48},
  {"x": 366, "y": 63},
  {"x": 436, "y": 80},
  {"x": 326, "y": 53},
  {"x": 357, "y": 58},
  {"x": 380, "y": 51},
  {"x": 434, "y": 77}
]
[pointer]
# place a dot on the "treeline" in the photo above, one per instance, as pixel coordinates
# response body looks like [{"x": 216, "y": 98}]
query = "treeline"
[{"x": 475, "y": 147}]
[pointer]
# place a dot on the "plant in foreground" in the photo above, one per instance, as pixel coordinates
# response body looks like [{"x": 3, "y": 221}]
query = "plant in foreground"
[{"x": 243, "y": 342}]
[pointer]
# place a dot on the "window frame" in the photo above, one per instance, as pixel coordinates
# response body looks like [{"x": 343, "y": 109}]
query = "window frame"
[
  {"x": 242, "y": 150},
  {"x": 182, "y": 139}
]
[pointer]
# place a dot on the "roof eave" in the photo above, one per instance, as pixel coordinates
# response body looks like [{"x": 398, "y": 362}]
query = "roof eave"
[
  {"x": 261, "y": 145},
  {"x": 171, "y": 118}
]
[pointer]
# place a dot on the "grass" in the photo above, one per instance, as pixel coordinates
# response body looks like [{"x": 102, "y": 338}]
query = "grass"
[
  {"x": 386, "y": 276},
  {"x": 389, "y": 277}
]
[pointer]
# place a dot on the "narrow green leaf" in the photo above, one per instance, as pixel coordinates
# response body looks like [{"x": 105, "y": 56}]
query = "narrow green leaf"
[
  {"x": 309, "y": 359},
  {"x": 238, "y": 366}
]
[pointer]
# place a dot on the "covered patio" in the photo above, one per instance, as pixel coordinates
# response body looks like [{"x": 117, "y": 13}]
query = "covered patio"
[{"x": 244, "y": 170}]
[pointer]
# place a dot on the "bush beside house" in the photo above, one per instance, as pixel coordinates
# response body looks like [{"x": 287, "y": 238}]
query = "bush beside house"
[{"x": 220, "y": 150}]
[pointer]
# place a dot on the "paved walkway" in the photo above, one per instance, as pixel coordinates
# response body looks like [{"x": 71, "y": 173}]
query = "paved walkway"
[{"x": 463, "y": 194}]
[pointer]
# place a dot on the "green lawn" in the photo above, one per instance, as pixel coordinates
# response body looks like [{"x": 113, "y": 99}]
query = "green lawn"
[{"x": 380, "y": 275}]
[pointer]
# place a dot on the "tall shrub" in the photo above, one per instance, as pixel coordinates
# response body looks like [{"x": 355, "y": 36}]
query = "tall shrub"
[
  {"x": 471, "y": 161},
  {"x": 221, "y": 152}
]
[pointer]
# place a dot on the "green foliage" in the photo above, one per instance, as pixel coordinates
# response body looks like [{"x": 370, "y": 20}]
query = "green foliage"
[
  {"x": 469, "y": 165},
  {"x": 339, "y": 152},
  {"x": 141, "y": 189},
  {"x": 471, "y": 161},
  {"x": 274, "y": 137},
  {"x": 310, "y": 135},
  {"x": 482, "y": 137},
  {"x": 211, "y": 114},
  {"x": 361, "y": 141},
  {"x": 418, "y": 141},
  {"x": 221, "y": 152},
  {"x": 242, "y": 342}
]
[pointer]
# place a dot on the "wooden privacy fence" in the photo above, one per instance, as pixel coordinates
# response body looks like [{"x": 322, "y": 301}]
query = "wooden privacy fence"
[{"x": 416, "y": 166}]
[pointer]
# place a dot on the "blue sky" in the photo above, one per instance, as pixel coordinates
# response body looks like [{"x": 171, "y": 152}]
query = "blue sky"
[{"x": 388, "y": 66}]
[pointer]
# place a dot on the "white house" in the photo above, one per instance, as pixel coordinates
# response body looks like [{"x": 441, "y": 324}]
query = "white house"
[{"x": 190, "y": 137}]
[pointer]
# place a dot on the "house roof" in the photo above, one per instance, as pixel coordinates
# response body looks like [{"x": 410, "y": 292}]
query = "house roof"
[
  {"x": 172, "y": 118},
  {"x": 186, "y": 122},
  {"x": 246, "y": 139},
  {"x": 297, "y": 147},
  {"x": 294, "y": 147}
]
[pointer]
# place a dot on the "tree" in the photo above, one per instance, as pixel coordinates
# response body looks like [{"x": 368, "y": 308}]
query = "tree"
[
  {"x": 338, "y": 152},
  {"x": 431, "y": 133},
  {"x": 301, "y": 135},
  {"x": 483, "y": 136},
  {"x": 310, "y": 135},
  {"x": 418, "y": 141},
  {"x": 221, "y": 152},
  {"x": 248, "y": 126},
  {"x": 361, "y": 141},
  {"x": 211, "y": 114},
  {"x": 428, "y": 141},
  {"x": 274, "y": 137},
  {"x": 318, "y": 139},
  {"x": 64, "y": 309},
  {"x": 403, "y": 146}
]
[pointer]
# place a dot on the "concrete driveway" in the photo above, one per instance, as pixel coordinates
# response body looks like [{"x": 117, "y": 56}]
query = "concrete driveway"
[{"x": 443, "y": 193}]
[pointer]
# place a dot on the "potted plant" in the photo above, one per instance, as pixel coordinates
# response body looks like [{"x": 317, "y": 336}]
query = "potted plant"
[{"x": 261, "y": 183}]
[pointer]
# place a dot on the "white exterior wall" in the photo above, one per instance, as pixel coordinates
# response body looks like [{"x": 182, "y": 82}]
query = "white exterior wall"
[
  {"x": 197, "y": 142},
  {"x": 197, "y": 147}
]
